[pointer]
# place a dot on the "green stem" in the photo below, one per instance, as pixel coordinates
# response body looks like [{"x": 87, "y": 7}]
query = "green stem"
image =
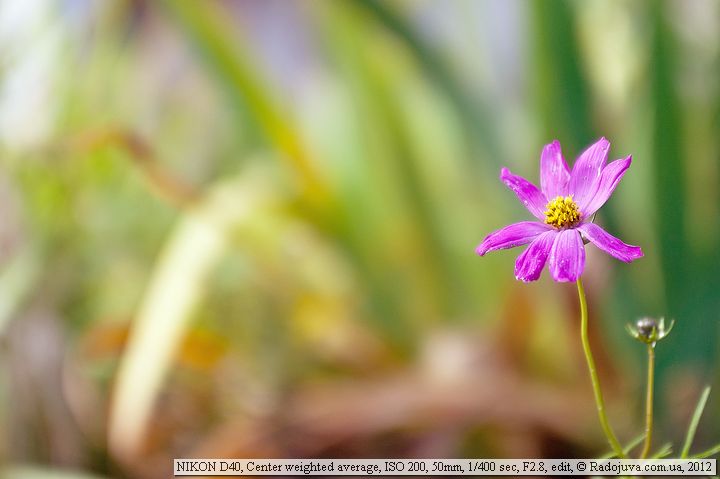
[
  {"x": 609, "y": 434},
  {"x": 649, "y": 401}
]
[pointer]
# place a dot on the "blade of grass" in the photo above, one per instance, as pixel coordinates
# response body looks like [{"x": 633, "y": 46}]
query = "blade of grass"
[
  {"x": 176, "y": 287},
  {"x": 664, "y": 451},
  {"x": 684, "y": 288},
  {"x": 558, "y": 80},
  {"x": 379, "y": 80},
  {"x": 391, "y": 169},
  {"x": 710, "y": 452},
  {"x": 475, "y": 113},
  {"x": 627, "y": 449},
  {"x": 692, "y": 428},
  {"x": 669, "y": 175},
  {"x": 213, "y": 36}
]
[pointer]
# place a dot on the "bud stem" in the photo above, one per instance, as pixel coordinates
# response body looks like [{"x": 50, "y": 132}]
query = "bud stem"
[
  {"x": 609, "y": 434},
  {"x": 649, "y": 400}
]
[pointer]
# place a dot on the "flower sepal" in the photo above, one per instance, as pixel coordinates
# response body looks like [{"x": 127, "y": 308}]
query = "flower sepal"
[{"x": 649, "y": 330}]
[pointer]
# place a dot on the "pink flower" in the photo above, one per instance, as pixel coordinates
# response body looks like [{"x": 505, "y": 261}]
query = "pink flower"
[{"x": 564, "y": 207}]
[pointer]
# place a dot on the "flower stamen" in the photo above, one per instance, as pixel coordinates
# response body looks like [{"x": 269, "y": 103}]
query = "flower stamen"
[{"x": 562, "y": 212}]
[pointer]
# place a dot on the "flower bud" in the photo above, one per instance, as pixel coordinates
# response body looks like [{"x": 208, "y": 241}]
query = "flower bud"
[{"x": 649, "y": 330}]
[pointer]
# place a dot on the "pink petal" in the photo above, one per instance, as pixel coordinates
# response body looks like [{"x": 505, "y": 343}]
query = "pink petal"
[
  {"x": 610, "y": 244},
  {"x": 585, "y": 175},
  {"x": 554, "y": 172},
  {"x": 530, "y": 263},
  {"x": 567, "y": 256},
  {"x": 609, "y": 179},
  {"x": 527, "y": 193},
  {"x": 513, "y": 235}
]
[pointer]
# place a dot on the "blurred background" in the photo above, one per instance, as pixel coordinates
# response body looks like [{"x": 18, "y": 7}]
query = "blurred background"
[{"x": 247, "y": 228}]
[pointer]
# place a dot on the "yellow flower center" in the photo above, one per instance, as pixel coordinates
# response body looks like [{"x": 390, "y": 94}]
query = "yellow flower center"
[{"x": 562, "y": 212}]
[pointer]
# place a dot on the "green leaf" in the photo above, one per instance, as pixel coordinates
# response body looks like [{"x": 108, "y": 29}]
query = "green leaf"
[
  {"x": 557, "y": 77},
  {"x": 178, "y": 284},
  {"x": 668, "y": 166},
  {"x": 710, "y": 452},
  {"x": 476, "y": 114},
  {"x": 694, "y": 422},
  {"x": 214, "y": 38},
  {"x": 630, "y": 446},
  {"x": 664, "y": 451}
]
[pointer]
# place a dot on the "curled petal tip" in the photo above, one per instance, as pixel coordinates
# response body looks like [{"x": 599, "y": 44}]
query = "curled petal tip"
[
  {"x": 634, "y": 252},
  {"x": 603, "y": 143},
  {"x": 639, "y": 254},
  {"x": 626, "y": 162},
  {"x": 550, "y": 147},
  {"x": 525, "y": 277},
  {"x": 609, "y": 179},
  {"x": 554, "y": 144},
  {"x": 610, "y": 244},
  {"x": 528, "y": 194}
]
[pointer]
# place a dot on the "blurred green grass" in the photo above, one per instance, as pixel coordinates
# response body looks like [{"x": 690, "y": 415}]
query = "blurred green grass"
[{"x": 224, "y": 213}]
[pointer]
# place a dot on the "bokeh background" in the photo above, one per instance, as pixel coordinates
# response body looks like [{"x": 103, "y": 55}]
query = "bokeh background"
[{"x": 247, "y": 228}]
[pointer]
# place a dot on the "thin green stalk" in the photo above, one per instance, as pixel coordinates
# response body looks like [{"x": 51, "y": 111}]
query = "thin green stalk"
[
  {"x": 649, "y": 401},
  {"x": 694, "y": 423},
  {"x": 599, "y": 401}
]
